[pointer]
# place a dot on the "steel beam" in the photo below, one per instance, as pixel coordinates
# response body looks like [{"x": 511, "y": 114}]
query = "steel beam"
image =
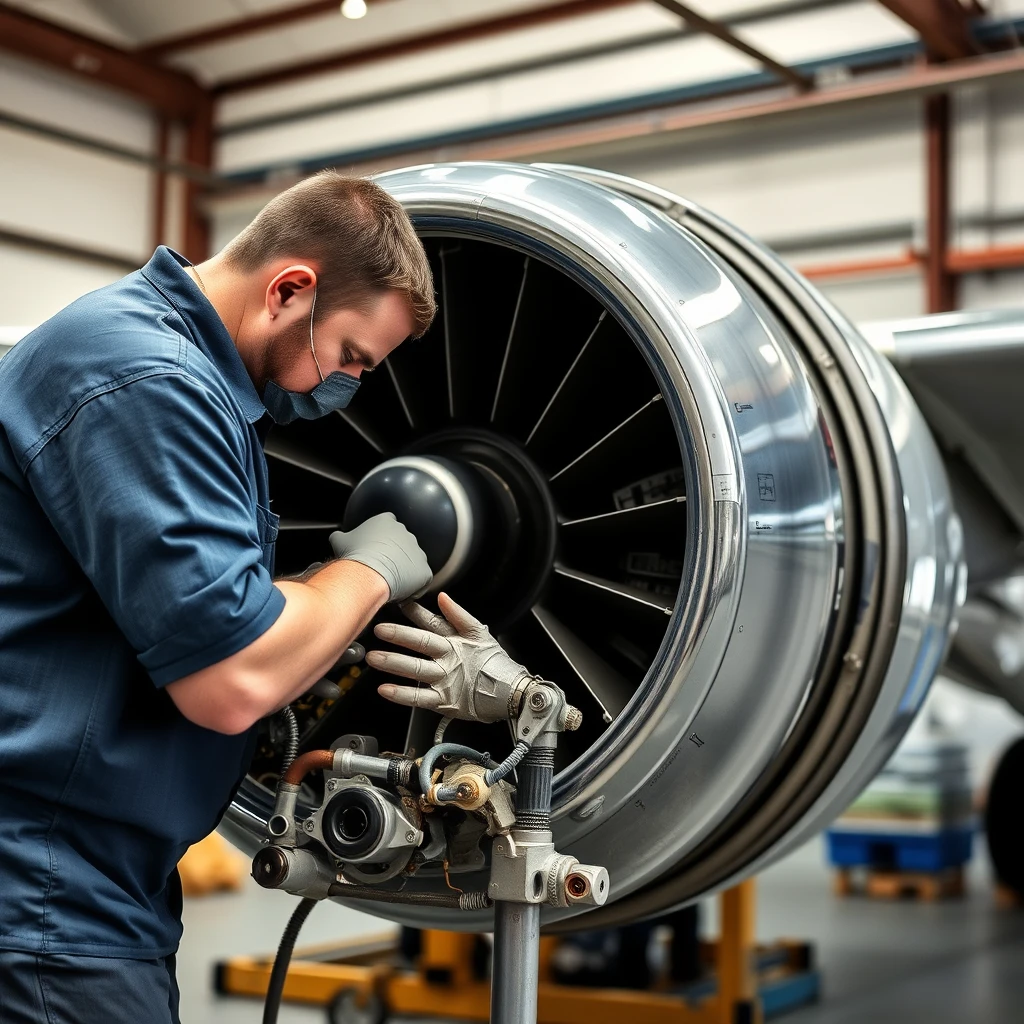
[
  {"x": 68, "y": 250},
  {"x": 238, "y": 28},
  {"x": 943, "y": 25},
  {"x": 568, "y": 140},
  {"x": 551, "y": 14},
  {"x": 940, "y": 283},
  {"x": 710, "y": 27},
  {"x": 158, "y": 161},
  {"x": 158, "y": 209},
  {"x": 199, "y": 153},
  {"x": 171, "y": 92}
]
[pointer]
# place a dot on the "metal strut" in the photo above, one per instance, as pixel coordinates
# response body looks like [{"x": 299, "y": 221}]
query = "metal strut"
[{"x": 515, "y": 973}]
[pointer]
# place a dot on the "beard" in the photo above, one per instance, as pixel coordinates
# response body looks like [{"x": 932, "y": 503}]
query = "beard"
[{"x": 278, "y": 351}]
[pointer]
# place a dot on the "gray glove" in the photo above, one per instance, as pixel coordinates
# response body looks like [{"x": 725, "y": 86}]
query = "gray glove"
[
  {"x": 470, "y": 675},
  {"x": 387, "y": 547}
]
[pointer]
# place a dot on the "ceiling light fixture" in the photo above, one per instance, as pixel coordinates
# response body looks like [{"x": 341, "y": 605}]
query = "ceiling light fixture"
[{"x": 353, "y": 8}]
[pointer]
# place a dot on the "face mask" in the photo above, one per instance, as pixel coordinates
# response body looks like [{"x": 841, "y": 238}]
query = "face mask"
[{"x": 333, "y": 392}]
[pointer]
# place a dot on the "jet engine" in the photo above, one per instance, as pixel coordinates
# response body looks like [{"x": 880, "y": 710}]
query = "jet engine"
[{"x": 674, "y": 481}]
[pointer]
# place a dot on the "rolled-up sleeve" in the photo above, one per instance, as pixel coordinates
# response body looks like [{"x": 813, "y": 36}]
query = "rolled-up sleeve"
[{"x": 147, "y": 484}]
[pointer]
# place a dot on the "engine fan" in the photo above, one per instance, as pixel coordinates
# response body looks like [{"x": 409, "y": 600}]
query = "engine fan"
[{"x": 674, "y": 481}]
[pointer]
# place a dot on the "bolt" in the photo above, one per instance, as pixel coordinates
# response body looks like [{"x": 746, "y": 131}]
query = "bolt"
[
  {"x": 308, "y": 824},
  {"x": 539, "y": 700},
  {"x": 410, "y": 837},
  {"x": 573, "y": 718},
  {"x": 332, "y": 785}
]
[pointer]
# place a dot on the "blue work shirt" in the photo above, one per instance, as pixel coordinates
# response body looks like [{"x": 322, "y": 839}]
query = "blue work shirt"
[{"x": 136, "y": 547}]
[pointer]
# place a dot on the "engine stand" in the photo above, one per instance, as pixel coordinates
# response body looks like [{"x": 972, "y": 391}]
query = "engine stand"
[{"x": 364, "y": 981}]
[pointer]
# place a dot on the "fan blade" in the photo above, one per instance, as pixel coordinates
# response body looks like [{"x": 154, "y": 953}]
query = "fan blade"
[
  {"x": 608, "y": 688},
  {"x": 287, "y": 451},
  {"x": 553, "y": 323},
  {"x": 303, "y": 524},
  {"x": 615, "y": 591}
]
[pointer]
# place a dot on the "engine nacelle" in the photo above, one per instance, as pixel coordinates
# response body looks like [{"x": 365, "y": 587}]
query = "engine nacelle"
[{"x": 696, "y": 499}]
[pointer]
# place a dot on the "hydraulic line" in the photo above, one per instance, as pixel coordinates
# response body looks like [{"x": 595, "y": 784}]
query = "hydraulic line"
[
  {"x": 305, "y": 763},
  {"x": 493, "y": 775},
  {"x": 495, "y": 772},
  {"x": 292, "y": 749},
  {"x": 279, "y": 972},
  {"x": 449, "y": 750}
]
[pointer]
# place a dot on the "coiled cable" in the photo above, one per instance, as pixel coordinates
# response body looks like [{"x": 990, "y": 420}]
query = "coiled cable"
[{"x": 291, "y": 750}]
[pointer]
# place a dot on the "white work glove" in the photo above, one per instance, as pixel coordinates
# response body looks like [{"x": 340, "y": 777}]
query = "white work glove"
[
  {"x": 470, "y": 675},
  {"x": 387, "y": 547}
]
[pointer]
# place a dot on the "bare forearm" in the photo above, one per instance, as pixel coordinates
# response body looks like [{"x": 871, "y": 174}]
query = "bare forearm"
[
  {"x": 320, "y": 620},
  {"x": 321, "y": 617}
]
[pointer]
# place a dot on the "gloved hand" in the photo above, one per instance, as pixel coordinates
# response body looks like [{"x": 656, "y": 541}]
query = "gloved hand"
[
  {"x": 387, "y": 547},
  {"x": 470, "y": 675}
]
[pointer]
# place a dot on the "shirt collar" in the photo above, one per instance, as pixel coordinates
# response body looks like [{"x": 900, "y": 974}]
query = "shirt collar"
[{"x": 165, "y": 271}]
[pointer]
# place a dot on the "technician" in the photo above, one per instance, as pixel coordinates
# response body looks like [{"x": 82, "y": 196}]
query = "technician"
[{"x": 141, "y": 634}]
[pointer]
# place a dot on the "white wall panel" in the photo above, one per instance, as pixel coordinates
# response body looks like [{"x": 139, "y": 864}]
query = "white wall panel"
[
  {"x": 846, "y": 29},
  {"x": 877, "y": 298},
  {"x": 1000, "y": 289},
  {"x": 973, "y": 180},
  {"x": 37, "y": 285},
  {"x": 36, "y": 93},
  {"x": 783, "y": 178},
  {"x": 77, "y": 15},
  {"x": 582, "y": 83},
  {"x": 1008, "y": 146},
  {"x": 421, "y": 68},
  {"x": 574, "y": 84},
  {"x": 58, "y": 192},
  {"x": 314, "y": 38},
  {"x": 71, "y": 195},
  {"x": 63, "y": 192}
]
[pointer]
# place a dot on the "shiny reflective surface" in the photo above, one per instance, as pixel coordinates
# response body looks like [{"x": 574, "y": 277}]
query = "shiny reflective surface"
[
  {"x": 816, "y": 568},
  {"x": 965, "y": 369}
]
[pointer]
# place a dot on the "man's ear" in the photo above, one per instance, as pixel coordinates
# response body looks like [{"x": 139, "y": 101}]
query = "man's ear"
[{"x": 293, "y": 283}]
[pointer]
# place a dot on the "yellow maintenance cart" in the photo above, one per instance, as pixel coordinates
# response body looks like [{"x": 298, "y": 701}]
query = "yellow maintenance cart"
[{"x": 364, "y": 982}]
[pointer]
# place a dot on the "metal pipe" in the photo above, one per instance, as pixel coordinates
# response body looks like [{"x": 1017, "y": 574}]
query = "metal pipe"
[
  {"x": 310, "y": 761},
  {"x": 516, "y": 971}
]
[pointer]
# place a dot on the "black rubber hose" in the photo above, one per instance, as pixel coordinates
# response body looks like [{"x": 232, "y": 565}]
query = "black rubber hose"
[
  {"x": 291, "y": 751},
  {"x": 275, "y": 988}
]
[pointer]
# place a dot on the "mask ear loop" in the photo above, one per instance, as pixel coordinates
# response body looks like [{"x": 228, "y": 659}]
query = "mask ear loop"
[{"x": 312, "y": 308}]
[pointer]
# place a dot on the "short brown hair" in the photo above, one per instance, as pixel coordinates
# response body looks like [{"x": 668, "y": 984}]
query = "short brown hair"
[{"x": 360, "y": 238}]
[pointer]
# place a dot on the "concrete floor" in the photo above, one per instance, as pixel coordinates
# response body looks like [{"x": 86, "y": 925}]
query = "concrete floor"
[{"x": 957, "y": 962}]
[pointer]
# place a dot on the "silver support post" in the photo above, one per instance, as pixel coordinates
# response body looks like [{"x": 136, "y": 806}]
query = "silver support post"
[{"x": 515, "y": 974}]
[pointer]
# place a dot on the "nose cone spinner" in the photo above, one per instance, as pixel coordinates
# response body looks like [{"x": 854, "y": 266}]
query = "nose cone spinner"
[{"x": 432, "y": 498}]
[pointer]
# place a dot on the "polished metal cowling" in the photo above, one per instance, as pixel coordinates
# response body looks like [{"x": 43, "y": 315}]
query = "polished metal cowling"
[{"x": 753, "y": 571}]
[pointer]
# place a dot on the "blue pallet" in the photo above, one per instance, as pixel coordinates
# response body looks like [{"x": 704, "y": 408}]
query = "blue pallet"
[{"x": 892, "y": 851}]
